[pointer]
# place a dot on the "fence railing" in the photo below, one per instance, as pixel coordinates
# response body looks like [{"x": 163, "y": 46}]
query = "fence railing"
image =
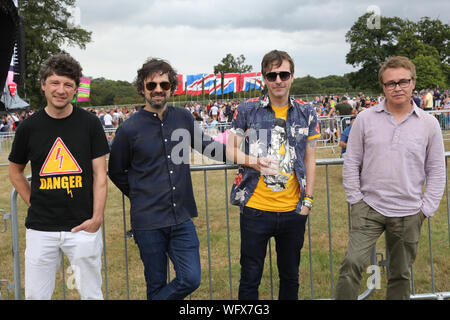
[
  {"x": 330, "y": 129},
  {"x": 15, "y": 285}
]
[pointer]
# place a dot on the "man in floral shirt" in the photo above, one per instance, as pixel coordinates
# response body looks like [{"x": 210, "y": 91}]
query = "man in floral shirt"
[{"x": 275, "y": 181}]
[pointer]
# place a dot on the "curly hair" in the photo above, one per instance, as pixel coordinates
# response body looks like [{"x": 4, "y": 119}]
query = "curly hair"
[
  {"x": 61, "y": 65},
  {"x": 152, "y": 66}
]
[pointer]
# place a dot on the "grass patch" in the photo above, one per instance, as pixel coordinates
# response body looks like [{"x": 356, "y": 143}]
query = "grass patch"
[{"x": 330, "y": 213}]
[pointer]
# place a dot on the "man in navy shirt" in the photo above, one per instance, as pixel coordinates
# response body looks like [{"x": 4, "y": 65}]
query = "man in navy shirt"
[{"x": 149, "y": 163}]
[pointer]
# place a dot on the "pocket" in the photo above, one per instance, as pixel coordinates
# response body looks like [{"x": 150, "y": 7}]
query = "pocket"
[
  {"x": 89, "y": 233},
  {"x": 88, "y": 244},
  {"x": 358, "y": 214},
  {"x": 251, "y": 212},
  {"x": 412, "y": 226}
]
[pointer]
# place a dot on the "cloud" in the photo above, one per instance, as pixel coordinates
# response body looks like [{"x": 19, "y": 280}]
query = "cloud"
[
  {"x": 195, "y": 35},
  {"x": 118, "y": 53},
  {"x": 284, "y": 15}
]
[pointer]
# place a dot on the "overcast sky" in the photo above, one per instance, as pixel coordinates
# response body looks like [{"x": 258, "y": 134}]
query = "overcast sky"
[{"x": 194, "y": 35}]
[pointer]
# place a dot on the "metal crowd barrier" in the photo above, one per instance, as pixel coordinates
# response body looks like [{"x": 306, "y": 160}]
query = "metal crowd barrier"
[
  {"x": 15, "y": 286},
  {"x": 443, "y": 116},
  {"x": 330, "y": 129}
]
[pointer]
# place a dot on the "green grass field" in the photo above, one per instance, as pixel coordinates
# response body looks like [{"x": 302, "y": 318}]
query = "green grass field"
[{"x": 217, "y": 265}]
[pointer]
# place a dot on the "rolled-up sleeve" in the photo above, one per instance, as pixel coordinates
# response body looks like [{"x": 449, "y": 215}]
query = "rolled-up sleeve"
[{"x": 435, "y": 171}]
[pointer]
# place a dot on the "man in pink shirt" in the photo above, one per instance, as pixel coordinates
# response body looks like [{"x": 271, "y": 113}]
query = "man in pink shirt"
[{"x": 393, "y": 149}]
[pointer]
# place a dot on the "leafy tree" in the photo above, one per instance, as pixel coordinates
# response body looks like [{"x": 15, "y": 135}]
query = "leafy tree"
[
  {"x": 47, "y": 27},
  {"x": 369, "y": 47},
  {"x": 436, "y": 34},
  {"x": 230, "y": 64},
  {"x": 306, "y": 84},
  {"x": 109, "y": 92},
  {"x": 429, "y": 72}
]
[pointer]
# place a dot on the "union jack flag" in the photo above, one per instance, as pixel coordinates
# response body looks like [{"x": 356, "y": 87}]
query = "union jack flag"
[{"x": 194, "y": 84}]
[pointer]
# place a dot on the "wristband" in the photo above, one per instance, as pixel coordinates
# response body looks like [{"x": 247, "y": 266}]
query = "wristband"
[
  {"x": 308, "y": 199},
  {"x": 308, "y": 203}
]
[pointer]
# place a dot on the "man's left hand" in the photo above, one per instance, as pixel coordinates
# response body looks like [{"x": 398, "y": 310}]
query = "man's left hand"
[
  {"x": 89, "y": 225},
  {"x": 304, "y": 211},
  {"x": 423, "y": 216}
]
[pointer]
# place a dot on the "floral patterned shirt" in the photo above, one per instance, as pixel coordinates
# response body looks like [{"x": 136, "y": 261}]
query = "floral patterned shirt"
[{"x": 254, "y": 120}]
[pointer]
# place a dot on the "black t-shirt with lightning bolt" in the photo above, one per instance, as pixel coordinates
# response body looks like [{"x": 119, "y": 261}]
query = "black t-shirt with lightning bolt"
[{"x": 60, "y": 152}]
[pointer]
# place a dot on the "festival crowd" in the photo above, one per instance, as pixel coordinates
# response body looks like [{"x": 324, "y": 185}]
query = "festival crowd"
[{"x": 216, "y": 114}]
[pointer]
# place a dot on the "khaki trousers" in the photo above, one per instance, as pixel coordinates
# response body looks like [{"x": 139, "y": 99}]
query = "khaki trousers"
[{"x": 402, "y": 239}]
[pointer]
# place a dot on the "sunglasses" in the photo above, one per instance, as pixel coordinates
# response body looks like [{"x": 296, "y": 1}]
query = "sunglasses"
[
  {"x": 272, "y": 76},
  {"x": 152, "y": 85}
]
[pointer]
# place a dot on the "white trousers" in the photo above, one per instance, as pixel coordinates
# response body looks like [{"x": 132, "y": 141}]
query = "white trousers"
[{"x": 43, "y": 256}]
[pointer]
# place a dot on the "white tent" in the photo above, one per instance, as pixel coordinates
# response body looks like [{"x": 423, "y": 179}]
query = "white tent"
[{"x": 12, "y": 103}]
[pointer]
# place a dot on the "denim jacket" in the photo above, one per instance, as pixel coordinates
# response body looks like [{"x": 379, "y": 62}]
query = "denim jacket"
[{"x": 254, "y": 120}]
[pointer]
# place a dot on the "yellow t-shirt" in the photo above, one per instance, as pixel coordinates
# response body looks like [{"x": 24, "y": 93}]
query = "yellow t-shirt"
[
  {"x": 429, "y": 100},
  {"x": 279, "y": 193}
]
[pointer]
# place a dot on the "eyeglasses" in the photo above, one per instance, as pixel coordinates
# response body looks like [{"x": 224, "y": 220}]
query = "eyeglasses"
[
  {"x": 152, "y": 85},
  {"x": 403, "y": 83},
  {"x": 272, "y": 76}
]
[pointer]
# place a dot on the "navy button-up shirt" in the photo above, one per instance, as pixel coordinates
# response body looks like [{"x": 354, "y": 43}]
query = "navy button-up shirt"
[
  {"x": 254, "y": 120},
  {"x": 149, "y": 163}
]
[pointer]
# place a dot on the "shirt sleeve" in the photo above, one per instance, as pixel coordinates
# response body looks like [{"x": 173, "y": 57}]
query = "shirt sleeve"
[
  {"x": 314, "y": 129},
  {"x": 19, "y": 150},
  {"x": 239, "y": 123},
  {"x": 119, "y": 161},
  {"x": 99, "y": 146},
  {"x": 353, "y": 162},
  {"x": 435, "y": 171},
  {"x": 205, "y": 144}
]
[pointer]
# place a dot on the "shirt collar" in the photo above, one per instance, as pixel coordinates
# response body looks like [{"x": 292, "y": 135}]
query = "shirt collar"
[
  {"x": 382, "y": 107},
  {"x": 264, "y": 101},
  {"x": 154, "y": 114}
]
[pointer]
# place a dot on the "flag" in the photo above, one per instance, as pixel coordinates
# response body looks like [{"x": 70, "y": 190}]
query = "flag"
[
  {"x": 84, "y": 90},
  {"x": 194, "y": 84},
  {"x": 252, "y": 81},
  {"x": 181, "y": 87},
  {"x": 230, "y": 83},
  {"x": 11, "y": 84},
  {"x": 218, "y": 84},
  {"x": 209, "y": 83}
]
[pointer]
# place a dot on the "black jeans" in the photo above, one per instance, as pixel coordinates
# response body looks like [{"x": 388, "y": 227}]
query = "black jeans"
[{"x": 257, "y": 227}]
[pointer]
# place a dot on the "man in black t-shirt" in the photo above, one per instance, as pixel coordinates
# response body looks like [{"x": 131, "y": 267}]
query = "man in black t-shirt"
[{"x": 67, "y": 148}]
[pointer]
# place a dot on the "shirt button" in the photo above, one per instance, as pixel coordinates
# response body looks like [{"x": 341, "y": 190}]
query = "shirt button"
[
  {"x": 174, "y": 204},
  {"x": 173, "y": 188},
  {"x": 165, "y": 140},
  {"x": 168, "y": 156},
  {"x": 170, "y": 171}
]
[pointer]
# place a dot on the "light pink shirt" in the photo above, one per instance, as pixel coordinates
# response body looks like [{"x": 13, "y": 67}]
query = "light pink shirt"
[{"x": 387, "y": 163}]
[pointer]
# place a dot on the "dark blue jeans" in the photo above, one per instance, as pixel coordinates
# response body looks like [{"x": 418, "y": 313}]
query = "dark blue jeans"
[
  {"x": 180, "y": 243},
  {"x": 257, "y": 227}
]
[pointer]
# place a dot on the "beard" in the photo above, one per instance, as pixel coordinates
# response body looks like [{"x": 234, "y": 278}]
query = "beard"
[
  {"x": 60, "y": 104},
  {"x": 157, "y": 104}
]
